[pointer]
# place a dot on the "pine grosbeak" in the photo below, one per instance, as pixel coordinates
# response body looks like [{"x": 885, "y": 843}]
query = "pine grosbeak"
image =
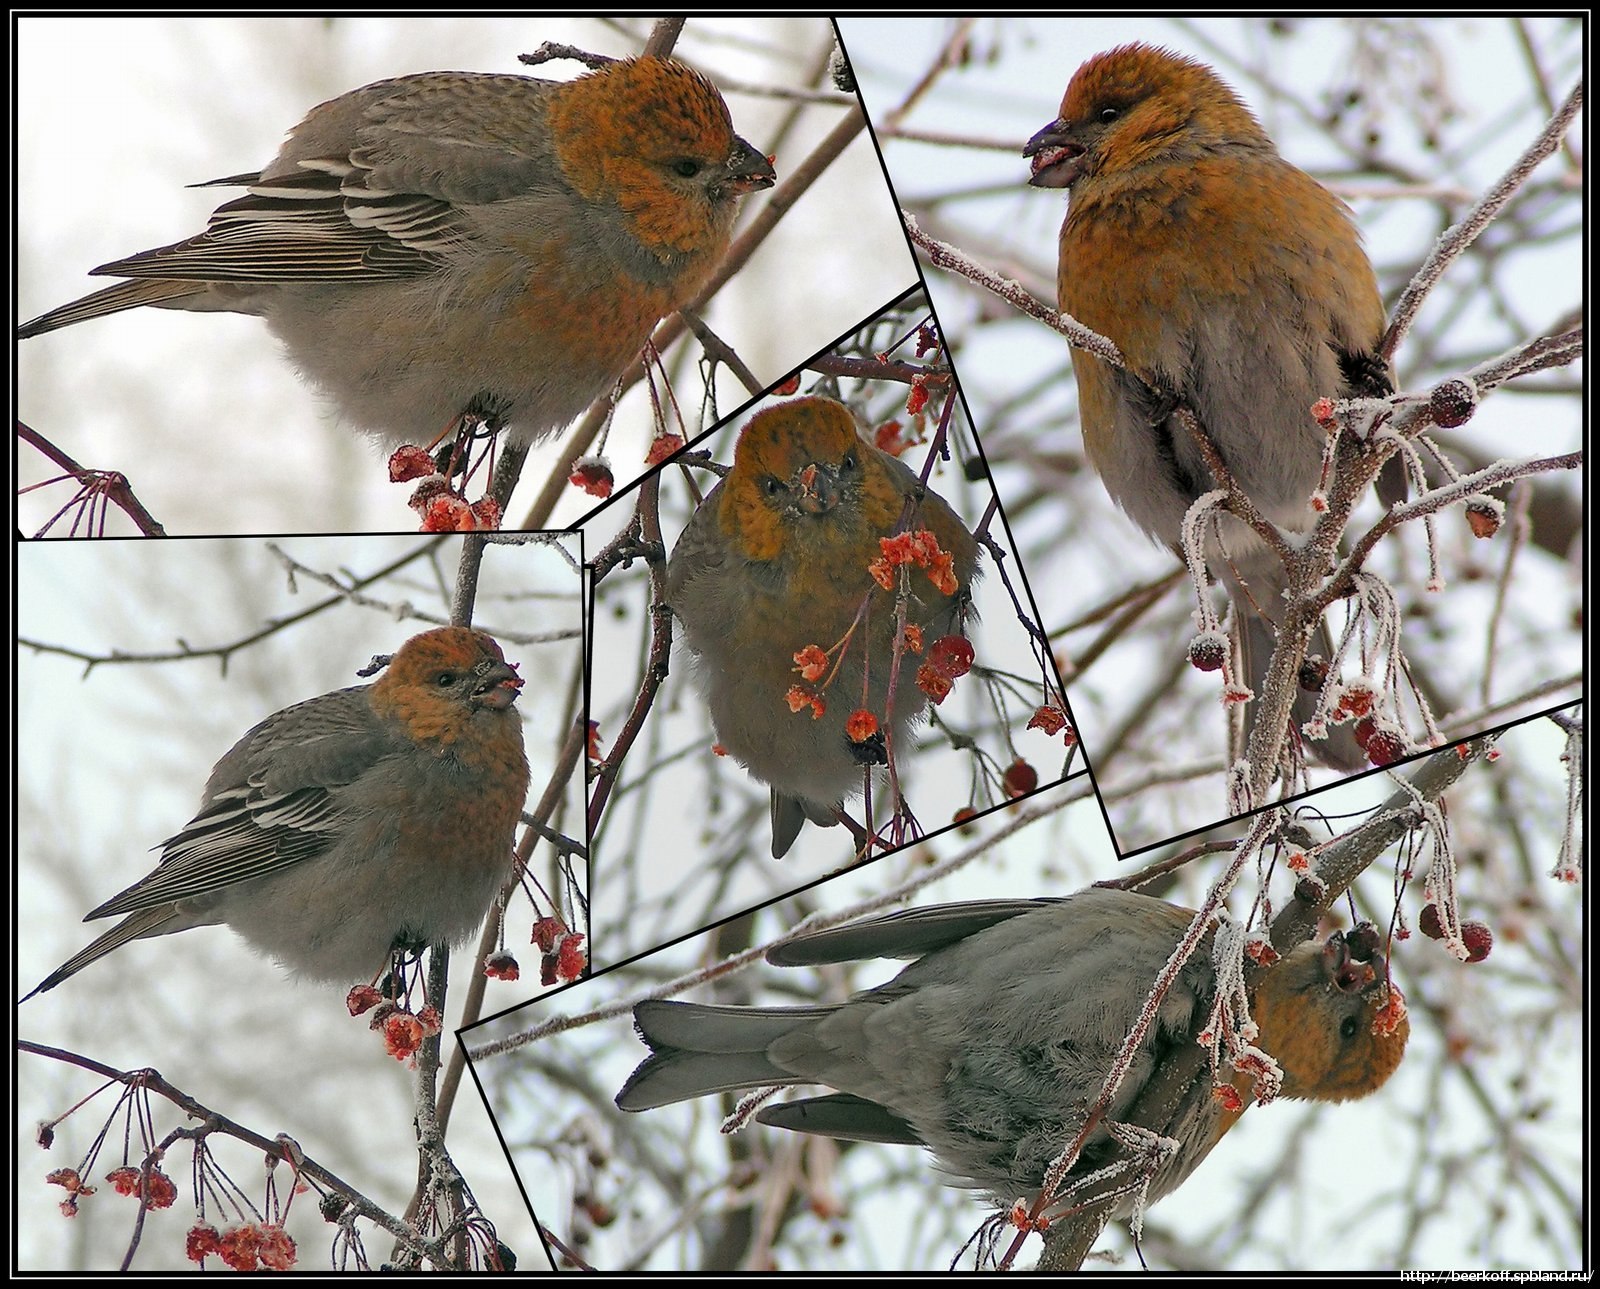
[
  {"x": 336, "y": 830},
  {"x": 990, "y": 1047},
  {"x": 776, "y": 560},
  {"x": 1232, "y": 282},
  {"x": 454, "y": 243}
]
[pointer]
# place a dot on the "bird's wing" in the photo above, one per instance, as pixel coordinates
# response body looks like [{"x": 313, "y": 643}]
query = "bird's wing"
[
  {"x": 273, "y": 800},
  {"x": 700, "y": 548},
  {"x": 371, "y": 185},
  {"x": 841, "y": 1115},
  {"x": 911, "y": 933}
]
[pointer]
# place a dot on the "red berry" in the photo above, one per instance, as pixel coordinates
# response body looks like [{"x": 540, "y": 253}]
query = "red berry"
[
  {"x": 662, "y": 447},
  {"x": 124, "y": 1180},
  {"x": 1050, "y": 719},
  {"x": 485, "y": 513},
  {"x": 1478, "y": 939},
  {"x": 1452, "y": 403},
  {"x": 546, "y": 931},
  {"x": 1313, "y": 673},
  {"x": 1260, "y": 951},
  {"x": 409, "y": 462},
  {"x": 1357, "y": 700},
  {"x": 445, "y": 514},
  {"x": 402, "y": 1035},
  {"x": 1019, "y": 779},
  {"x": 593, "y": 475},
  {"x": 1362, "y": 941},
  {"x": 422, "y": 495},
  {"x": 502, "y": 966},
  {"x": 160, "y": 1192},
  {"x": 1208, "y": 652},
  {"x": 934, "y": 683},
  {"x": 203, "y": 1241},
  {"x": 1385, "y": 747},
  {"x": 951, "y": 655},
  {"x": 277, "y": 1249},
  {"x": 1484, "y": 516},
  {"x": 239, "y": 1246},
  {"x": 860, "y": 725},
  {"x": 570, "y": 958}
]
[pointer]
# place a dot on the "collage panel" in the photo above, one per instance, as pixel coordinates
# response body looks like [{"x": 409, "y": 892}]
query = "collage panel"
[
  {"x": 814, "y": 616},
  {"x": 1400, "y": 1113},
  {"x": 1465, "y": 608},
  {"x": 218, "y": 429},
  {"x": 336, "y": 820}
]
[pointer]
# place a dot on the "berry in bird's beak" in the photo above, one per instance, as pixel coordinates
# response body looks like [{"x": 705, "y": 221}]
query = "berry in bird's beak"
[
  {"x": 498, "y": 688},
  {"x": 1346, "y": 974},
  {"x": 815, "y": 488},
  {"x": 747, "y": 171},
  {"x": 1057, "y": 161}
]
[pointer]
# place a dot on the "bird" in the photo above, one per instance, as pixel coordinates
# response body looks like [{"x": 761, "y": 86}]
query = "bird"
[
  {"x": 343, "y": 828},
  {"x": 455, "y": 246},
  {"x": 777, "y": 559},
  {"x": 1233, "y": 283},
  {"x": 990, "y": 1047}
]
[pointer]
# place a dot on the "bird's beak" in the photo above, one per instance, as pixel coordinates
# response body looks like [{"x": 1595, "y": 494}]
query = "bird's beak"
[
  {"x": 497, "y": 687},
  {"x": 745, "y": 171},
  {"x": 1058, "y": 159},
  {"x": 1346, "y": 974},
  {"x": 815, "y": 488}
]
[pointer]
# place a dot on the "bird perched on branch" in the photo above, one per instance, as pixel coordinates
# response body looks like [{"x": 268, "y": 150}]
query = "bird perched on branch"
[
  {"x": 991, "y": 1046},
  {"x": 458, "y": 244},
  {"x": 789, "y": 599},
  {"x": 1234, "y": 284},
  {"x": 371, "y": 819}
]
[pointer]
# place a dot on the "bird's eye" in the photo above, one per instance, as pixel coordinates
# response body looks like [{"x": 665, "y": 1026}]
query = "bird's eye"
[
  {"x": 1109, "y": 114},
  {"x": 849, "y": 462},
  {"x": 445, "y": 679},
  {"x": 688, "y": 167},
  {"x": 773, "y": 485},
  {"x": 1349, "y": 1027}
]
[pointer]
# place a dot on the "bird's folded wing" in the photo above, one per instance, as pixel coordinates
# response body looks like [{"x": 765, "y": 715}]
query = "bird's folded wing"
[{"x": 907, "y": 934}]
